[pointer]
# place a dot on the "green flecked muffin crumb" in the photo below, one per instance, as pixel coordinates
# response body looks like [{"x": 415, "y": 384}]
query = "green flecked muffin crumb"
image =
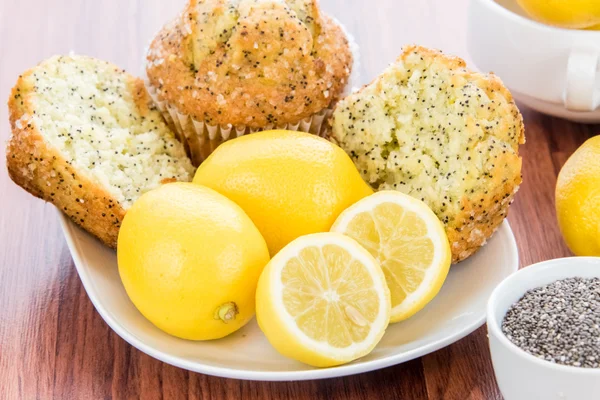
[{"x": 431, "y": 128}]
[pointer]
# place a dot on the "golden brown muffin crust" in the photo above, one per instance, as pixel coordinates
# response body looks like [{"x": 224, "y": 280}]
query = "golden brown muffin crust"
[{"x": 250, "y": 62}]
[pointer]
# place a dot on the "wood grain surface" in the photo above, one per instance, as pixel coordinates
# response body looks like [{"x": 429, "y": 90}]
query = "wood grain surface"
[{"x": 53, "y": 344}]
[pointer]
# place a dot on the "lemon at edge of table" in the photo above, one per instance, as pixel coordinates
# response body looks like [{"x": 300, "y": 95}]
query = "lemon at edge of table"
[{"x": 578, "y": 199}]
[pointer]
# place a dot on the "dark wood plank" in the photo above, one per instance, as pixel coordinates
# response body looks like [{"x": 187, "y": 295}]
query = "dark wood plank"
[{"x": 462, "y": 371}]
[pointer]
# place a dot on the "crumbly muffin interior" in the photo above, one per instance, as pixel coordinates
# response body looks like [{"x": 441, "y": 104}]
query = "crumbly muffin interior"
[
  {"x": 430, "y": 128},
  {"x": 101, "y": 121}
]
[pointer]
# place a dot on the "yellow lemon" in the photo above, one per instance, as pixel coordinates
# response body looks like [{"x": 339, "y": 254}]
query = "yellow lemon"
[
  {"x": 289, "y": 183},
  {"x": 578, "y": 199},
  {"x": 409, "y": 242},
  {"x": 323, "y": 300},
  {"x": 190, "y": 260},
  {"x": 578, "y": 14}
]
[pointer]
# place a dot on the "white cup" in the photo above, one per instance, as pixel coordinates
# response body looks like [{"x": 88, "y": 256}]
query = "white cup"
[
  {"x": 520, "y": 375},
  {"x": 555, "y": 71}
]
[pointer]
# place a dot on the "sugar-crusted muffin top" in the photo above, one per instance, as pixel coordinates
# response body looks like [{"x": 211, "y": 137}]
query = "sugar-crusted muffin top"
[
  {"x": 250, "y": 62},
  {"x": 102, "y": 121},
  {"x": 216, "y": 20},
  {"x": 431, "y": 128}
]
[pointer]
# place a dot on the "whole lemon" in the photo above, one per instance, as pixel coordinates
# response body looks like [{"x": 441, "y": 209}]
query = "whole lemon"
[
  {"x": 289, "y": 183},
  {"x": 190, "y": 260},
  {"x": 578, "y": 199},
  {"x": 578, "y": 14}
]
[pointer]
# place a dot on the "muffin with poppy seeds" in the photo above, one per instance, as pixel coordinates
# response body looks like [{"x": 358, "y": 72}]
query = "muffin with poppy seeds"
[
  {"x": 225, "y": 68},
  {"x": 431, "y": 128},
  {"x": 87, "y": 137}
]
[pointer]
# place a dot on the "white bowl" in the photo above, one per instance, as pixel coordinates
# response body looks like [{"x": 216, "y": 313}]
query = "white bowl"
[
  {"x": 552, "y": 70},
  {"x": 458, "y": 310},
  {"x": 520, "y": 375}
]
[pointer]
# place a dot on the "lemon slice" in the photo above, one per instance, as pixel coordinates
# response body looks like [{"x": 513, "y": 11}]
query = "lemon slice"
[
  {"x": 323, "y": 300},
  {"x": 409, "y": 242}
]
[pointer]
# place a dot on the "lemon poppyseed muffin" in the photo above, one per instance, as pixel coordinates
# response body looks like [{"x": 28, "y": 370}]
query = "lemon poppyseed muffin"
[
  {"x": 87, "y": 138},
  {"x": 431, "y": 128},
  {"x": 224, "y": 68}
]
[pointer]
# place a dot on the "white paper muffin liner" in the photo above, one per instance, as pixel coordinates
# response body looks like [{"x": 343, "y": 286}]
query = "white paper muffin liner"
[{"x": 201, "y": 139}]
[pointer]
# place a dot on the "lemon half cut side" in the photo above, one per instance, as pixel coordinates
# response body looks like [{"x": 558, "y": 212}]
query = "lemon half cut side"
[
  {"x": 408, "y": 240},
  {"x": 323, "y": 300}
]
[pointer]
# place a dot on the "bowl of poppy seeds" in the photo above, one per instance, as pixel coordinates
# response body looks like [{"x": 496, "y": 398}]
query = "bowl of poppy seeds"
[{"x": 544, "y": 331}]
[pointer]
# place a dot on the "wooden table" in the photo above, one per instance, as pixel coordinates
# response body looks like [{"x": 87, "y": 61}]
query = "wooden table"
[{"x": 53, "y": 344}]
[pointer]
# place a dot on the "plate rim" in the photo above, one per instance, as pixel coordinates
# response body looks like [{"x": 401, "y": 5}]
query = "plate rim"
[{"x": 224, "y": 372}]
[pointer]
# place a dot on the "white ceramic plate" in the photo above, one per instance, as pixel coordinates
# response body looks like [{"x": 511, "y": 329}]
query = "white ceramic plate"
[{"x": 458, "y": 310}]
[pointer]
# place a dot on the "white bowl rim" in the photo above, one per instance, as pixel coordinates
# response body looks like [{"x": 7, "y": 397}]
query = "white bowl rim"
[
  {"x": 494, "y": 327},
  {"x": 493, "y": 5}
]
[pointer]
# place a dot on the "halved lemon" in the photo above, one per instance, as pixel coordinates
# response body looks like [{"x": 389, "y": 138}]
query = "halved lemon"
[
  {"x": 323, "y": 300},
  {"x": 409, "y": 242}
]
